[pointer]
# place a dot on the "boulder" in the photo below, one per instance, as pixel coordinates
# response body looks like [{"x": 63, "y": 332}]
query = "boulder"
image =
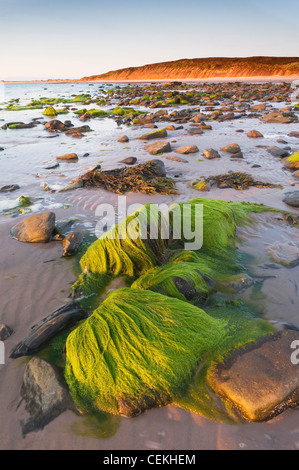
[
  {"x": 71, "y": 243},
  {"x": 154, "y": 135},
  {"x": 292, "y": 199},
  {"x": 54, "y": 125},
  {"x": 35, "y": 229},
  {"x": 232, "y": 148},
  {"x": 187, "y": 149},
  {"x": 46, "y": 395},
  {"x": 158, "y": 147},
  {"x": 259, "y": 380},
  {"x": 275, "y": 117},
  {"x": 210, "y": 154},
  {"x": 254, "y": 134},
  {"x": 278, "y": 152}
]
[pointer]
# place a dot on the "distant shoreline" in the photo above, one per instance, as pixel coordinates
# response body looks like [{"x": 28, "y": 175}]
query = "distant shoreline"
[{"x": 270, "y": 78}]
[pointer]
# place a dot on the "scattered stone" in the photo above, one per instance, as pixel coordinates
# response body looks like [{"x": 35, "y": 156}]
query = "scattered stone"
[
  {"x": 278, "y": 152},
  {"x": 259, "y": 379},
  {"x": 54, "y": 125},
  {"x": 123, "y": 138},
  {"x": 187, "y": 149},
  {"x": 9, "y": 188},
  {"x": 292, "y": 199},
  {"x": 45, "y": 395},
  {"x": 154, "y": 135},
  {"x": 50, "y": 165},
  {"x": 296, "y": 174},
  {"x": 5, "y": 332},
  {"x": 158, "y": 147},
  {"x": 71, "y": 243},
  {"x": 232, "y": 148},
  {"x": 275, "y": 117},
  {"x": 68, "y": 156},
  {"x": 211, "y": 154},
  {"x": 35, "y": 229},
  {"x": 129, "y": 161},
  {"x": 294, "y": 134},
  {"x": 254, "y": 134},
  {"x": 281, "y": 141}
]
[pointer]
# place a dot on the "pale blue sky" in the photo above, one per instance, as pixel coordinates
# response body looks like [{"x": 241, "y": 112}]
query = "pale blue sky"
[{"x": 70, "y": 38}]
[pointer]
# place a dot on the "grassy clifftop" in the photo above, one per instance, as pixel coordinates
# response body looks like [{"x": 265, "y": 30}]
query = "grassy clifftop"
[{"x": 223, "y": 67}]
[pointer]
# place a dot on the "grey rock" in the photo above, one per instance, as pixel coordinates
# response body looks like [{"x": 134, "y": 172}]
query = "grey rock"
[
  {"x": 5, "y": 331},
  {"x": 292, "y": 199},
  {"x": 71, "y": 243}
]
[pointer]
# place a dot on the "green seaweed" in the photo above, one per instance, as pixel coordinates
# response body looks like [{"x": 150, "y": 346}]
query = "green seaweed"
[{"x": 293, "y": 158}]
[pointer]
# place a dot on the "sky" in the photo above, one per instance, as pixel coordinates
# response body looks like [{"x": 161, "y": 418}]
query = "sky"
[{"x": 41, "y": 39}]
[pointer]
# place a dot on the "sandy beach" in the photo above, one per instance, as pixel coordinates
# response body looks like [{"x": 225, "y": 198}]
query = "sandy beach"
[{"x": 36, "y": 278}]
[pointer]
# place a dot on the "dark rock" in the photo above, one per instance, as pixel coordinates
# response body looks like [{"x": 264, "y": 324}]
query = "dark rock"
[
  {"x": 54, "y": 125},
  {"x": 278, "y": 152},
  {"x": 9, "y": 188},
  {"x": 71, "y": 243},
  {"x": 154, "y": 135},
  {"x": 51, "y": 165},
  {"x": 292, "y": 199},
  {"x": 35, "y": 229},
  {"x": 5, "y": 332},
  {"x": 40, "y": 335},
  {"x": 46, "y": 395}
]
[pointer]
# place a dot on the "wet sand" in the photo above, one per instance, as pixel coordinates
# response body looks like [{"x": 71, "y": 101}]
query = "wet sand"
[{"x": 35, "y": 279}]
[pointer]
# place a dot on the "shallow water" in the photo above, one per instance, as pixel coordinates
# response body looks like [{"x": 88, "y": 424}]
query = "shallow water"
[{"x": 35, "y": 279}]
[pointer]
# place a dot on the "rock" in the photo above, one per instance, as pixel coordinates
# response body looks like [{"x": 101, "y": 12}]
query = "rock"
[
  {"x": 275, "y": 117},
  {"x": 35, "y": 229},
  {"x": 281, "y": 141},
  {"x": 187, "y": 149},
  {"x": 51, "y": 165},
  {"x": 239, "y": 283},
  {"x": 123, "y": 138},
  {"x": 50, "y": 111},
  {"x": 176, "y": 159},
  {"x": 158, "y": 147},
  {"x": 237, "y": 155},
  {"x": 71, "y": 243},
  {"x": 296, "y": 174},
  {"x": 1, "y": 149},
  {"x": 259, "y": 379},
  {"x": 9, "y": 188},
  {"x": 294, "y": 134},
  {"x": 278, "y": 152},
  {"x": 232, "y": 148},
  {"x": 292, "y": 199},
  {"x": 254, "y": 134},
  {"x": 129, "y": 161},
  {"x": 5, "y": 332},
  {"x": 158, "y": 168},
  {"x": 210, "y": 154},
  {"x": 54, "y": 125},
  {"x": 285, "y": 253},
  {"x": 226, "y": 117},
  {"x": 154, "y": 135},
  {"x": 73, "y": 185},
  {"x": 68, "y": 156},
  {"x": 40, "y": 335},
  {"x": 193, "y": 131},
  {"x": 45, "y": 395},
  {"x": 258, "y": 107}
]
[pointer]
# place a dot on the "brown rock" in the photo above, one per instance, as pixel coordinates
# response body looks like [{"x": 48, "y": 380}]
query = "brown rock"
[
  {"x": 123, "y": 138},
  {"x": 259, "y": 379},
  {"x": 54, "y": 125},
  {"x": 35, "y": 229},
  {"x": 68, "y": 156},
  {"x": 210, "y": 154},
  {"x": 254, "y": 134},
  {"x": 176, "y": 159},
  {"x": 275, "y": 117},
  {"x": 154, "y": 135},
  {"x": 158, "y": 147},
  {"x": 294, "y": 134},
  {"x": 71, "y": 243},
  {"x": 232, "y": 148},
  {"x": 187, "y": 149},
  {"x": 129, "y": 161}
]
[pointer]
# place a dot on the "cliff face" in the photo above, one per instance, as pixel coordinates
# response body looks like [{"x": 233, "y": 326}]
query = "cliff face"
[{"x": 206, "y": 68}]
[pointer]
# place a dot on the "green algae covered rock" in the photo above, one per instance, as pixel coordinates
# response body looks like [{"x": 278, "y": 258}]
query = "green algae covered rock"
[
  {"x": 137, "y": 350},
  {"x": 185, "y": 277},
  {"x": 50, "y": 111}
]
